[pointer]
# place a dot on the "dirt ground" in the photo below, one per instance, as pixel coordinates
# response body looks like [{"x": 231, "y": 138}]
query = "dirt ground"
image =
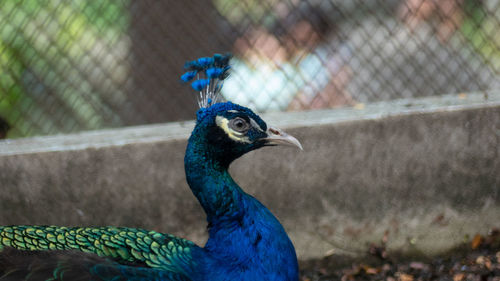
[{"x": 476, "y": 260}]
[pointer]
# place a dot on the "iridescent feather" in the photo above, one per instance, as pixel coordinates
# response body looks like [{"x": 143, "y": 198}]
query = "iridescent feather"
[
  {"x": 157, "y": 250},
  {"x": 208, "y": 74}
]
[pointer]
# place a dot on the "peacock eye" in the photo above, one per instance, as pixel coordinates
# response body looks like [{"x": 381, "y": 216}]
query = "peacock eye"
[{"x": 239, "y": 124}]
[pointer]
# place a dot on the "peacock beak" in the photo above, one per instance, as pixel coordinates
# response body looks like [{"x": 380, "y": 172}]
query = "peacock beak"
[{"x": 276, "y": 136}]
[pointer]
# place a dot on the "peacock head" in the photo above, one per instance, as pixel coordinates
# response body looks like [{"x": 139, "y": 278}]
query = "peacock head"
[{"x": 226, "y": 130}]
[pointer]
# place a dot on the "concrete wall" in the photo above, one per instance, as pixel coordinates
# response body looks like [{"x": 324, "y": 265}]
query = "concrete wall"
[{"x": 426, "y": 171}]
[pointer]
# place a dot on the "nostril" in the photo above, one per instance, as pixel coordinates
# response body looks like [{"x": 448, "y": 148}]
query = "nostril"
[{"x": 274, "y": 131}]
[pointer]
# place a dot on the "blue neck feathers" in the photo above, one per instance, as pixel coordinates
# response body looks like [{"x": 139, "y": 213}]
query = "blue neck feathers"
[
  {"x": 241, "y": 229},
  {"x": 210, "y": 181}
]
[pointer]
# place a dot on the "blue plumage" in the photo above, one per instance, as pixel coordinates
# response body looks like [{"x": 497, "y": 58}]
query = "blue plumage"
[
  {"x": 188, "y": 76},
  {"x": 200, "y": 84},
  {"x": 246, "y": 242},
  {"x": 214, "y": 72},
  {"x": 210, "y": 73}
]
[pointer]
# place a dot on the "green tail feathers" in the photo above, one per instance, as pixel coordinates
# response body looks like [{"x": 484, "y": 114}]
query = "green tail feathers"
[{"x": 155, "y": 249}]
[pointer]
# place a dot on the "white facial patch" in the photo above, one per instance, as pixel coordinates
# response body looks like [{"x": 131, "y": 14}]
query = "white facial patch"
[{"x": 222, "y": 122}]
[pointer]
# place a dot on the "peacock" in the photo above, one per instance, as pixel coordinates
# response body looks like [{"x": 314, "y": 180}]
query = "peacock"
[{"x": 246, "y": 241}]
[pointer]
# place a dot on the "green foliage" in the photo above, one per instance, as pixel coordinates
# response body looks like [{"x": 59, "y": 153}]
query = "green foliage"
[
  {"x": 45, "y": 50},
  {"x": 480, "y": 29}
]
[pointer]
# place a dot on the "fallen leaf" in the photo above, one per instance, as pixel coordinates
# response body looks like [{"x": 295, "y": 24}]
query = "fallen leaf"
[
  {"x": 458, "y": 277},
  {"x": 371, "y": 270},
  {"x": 405, "y": 277},
  {"x": 488, "y": 264},
  {"x": 480, "y": 260},
  {"x": 476, "y": 241}
]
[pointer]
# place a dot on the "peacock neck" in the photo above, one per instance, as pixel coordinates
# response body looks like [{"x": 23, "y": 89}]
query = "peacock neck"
[
  {"x": 242, "y": 230},
  {"x": 210, "y": 182}
]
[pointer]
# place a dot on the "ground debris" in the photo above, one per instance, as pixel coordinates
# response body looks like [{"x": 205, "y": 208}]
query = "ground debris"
[{"x": 477, "y": 260}]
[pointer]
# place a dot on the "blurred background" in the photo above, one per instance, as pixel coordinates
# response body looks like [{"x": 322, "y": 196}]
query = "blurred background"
[{"x": 68, "y": 66}]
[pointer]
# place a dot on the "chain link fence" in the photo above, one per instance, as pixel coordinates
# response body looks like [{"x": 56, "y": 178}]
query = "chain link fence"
[{"x": 67, "y": 66}]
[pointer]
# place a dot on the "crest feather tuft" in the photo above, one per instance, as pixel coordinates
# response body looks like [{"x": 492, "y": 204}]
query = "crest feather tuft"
[{"x": 208, "y": 74}]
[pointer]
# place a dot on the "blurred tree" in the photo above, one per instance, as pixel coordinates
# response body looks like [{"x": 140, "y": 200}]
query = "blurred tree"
[
  {"x": 53, "y": 60},
  {"x": 481, "y": 29}
]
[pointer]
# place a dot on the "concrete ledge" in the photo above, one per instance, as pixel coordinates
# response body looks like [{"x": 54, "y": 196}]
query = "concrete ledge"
[{"x": 426, "y": 171}]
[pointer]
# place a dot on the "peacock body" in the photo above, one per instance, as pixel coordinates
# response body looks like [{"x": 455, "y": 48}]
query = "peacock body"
[{"x": 246, "y": 242}]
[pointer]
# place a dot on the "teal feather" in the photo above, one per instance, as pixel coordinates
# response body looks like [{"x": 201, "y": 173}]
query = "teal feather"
[{"x": 119, "y": 243}]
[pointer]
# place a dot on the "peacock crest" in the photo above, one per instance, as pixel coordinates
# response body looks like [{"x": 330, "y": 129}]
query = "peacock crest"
[{"x": 208, "y": 74}]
